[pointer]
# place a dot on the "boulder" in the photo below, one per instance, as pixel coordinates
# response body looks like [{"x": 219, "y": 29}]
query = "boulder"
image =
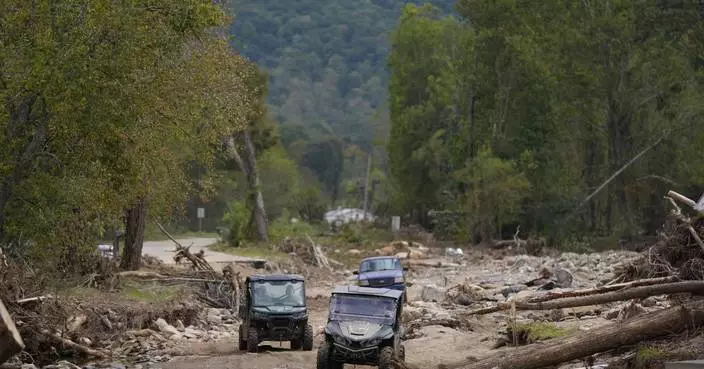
[{"x": 433, "y": 293}]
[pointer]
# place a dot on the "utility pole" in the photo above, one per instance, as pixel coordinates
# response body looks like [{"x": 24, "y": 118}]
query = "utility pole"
[{"x": 366, "y": 184}]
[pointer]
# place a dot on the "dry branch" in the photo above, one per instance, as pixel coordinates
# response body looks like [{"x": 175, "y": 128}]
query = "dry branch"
[
  {"x": 35, "y": 299},
  {"x": 564, "y": 349},
  {"x": 695, "y": 287},
  {"x": 197, "y": 260},
  {"x": 10, "y": 339},
  {"x": 320, "y": 259},
  {"x": 72, "y": 345},
  {"x": 681, "y": 198}
]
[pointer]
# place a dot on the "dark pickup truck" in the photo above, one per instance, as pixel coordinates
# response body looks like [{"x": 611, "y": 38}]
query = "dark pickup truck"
[{"x": 382, "y": 272}]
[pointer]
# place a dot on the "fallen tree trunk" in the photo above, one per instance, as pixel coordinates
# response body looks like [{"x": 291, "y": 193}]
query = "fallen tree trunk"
[
  {"x": 695, "y": 287},
  {"x": 10, "y": 339},
  {"x": 602, "y": 289},
  {"x": 565, "y": 349}
]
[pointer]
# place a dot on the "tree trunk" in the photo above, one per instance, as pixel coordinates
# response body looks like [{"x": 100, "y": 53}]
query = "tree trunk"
[
  {"x": 553, "y": 352},
  {"x": 249, "y": 168},
  {"x": 10, "y": 339},
  {"x": 135, "y": 222},
  {"x": 260, "y": 212}
]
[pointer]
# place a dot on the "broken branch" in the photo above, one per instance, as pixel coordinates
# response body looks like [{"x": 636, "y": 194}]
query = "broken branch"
[{"x": 72, "y": 345}]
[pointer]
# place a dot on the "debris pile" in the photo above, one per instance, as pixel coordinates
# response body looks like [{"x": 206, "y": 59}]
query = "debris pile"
[{"x": 637, "y": 287}]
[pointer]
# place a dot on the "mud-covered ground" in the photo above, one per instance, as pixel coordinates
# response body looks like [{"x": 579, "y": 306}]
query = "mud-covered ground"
[{"x": 491, "y": 278}]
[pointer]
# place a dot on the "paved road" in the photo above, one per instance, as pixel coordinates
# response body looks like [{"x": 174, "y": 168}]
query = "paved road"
[{"x": 166, "y": 249}]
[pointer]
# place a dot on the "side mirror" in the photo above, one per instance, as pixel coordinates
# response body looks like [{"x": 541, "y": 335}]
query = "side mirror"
[{"x": 355, "y": 272}]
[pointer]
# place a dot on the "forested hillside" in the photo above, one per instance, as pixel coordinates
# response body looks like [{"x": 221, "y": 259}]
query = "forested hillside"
[
  {"x": 566, "y": 118},
  {"x": 327, "y": 62}
]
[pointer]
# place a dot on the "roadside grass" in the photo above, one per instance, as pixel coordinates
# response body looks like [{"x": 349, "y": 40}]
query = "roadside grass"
[{"x": 130, "y": 291}]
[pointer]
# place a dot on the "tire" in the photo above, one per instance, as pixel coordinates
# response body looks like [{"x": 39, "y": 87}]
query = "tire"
[
  {"x": 252, "y": 340},
  {"x": 386, "y": 358},
  {"x": 307, "y": 341},
  {"x": 324, "y": 360},
  {"x": 242, "y": 341}
]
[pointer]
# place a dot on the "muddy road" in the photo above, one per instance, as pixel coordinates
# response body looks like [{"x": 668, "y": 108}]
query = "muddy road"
[{"x": 431, "y": 342}]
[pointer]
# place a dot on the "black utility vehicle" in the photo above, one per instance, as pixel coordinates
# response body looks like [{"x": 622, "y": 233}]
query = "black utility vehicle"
[
  {"x": 363, "y": 328},
  {"x": 275, "y": 310}
]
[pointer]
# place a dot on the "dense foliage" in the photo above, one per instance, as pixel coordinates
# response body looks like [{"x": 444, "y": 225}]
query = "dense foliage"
[
  {"x": 327, "y": 62},
  {"x": 106, "y": 105},
  {"x": 517, "y": 112}
]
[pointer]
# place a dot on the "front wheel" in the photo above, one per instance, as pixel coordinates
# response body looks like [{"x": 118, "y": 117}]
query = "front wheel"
[
  {"x": 242, "y": 341},
  {"x": 307, "y": 341},
  {"x": 386, "y": 358},
  {"x": 252, "y": 340},
  {"x": 325, "y": 360}
]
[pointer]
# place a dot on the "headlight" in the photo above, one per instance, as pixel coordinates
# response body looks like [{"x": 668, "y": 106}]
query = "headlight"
[
  {"x": 398, "y": 280},
  {"x": 363, "y": 282},
  {"x": 300, "y": 315}
]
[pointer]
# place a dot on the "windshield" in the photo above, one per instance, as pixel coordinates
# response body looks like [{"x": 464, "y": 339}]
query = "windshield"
[
  {"x": 270, "y": 293},
  {"x": 358, "y": 307},
  {"x": 379, "y": 264}
]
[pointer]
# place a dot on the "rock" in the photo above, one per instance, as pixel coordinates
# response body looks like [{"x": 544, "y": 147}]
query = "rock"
[
  {"x": 513, "y": 289},
  {"x": 353, "y": 252},
  {"x": 613, "y": 313},
  {"x": 648, "y": 302},
  {"x": 85, "y": 341},
  {"x": 180, "y": 326},
  {"x": 563, "y": 278},
  {"x": 75, "y": 322},
  {"x": 214, "y": 316},
  {"x": 166, "y": 328},
  {"x": 411, "y": 313},
  {"x": 63, "y": 364},
  {"x": 416, "y": 254},
  {"x": 28, "y": 366},
  {"x": 432, "y": 293},
  {"x": 522, "y": 295},
  {"x": 192, "y": 333},
  {"x": 402, "y": 255}
]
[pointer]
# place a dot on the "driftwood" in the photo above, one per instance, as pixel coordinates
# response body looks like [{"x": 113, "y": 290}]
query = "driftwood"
[
  {"x": 74, "y": 346},
  {"x": 183, "y": 252},
  {"x": 686, "y": 200},
  {"x": 684, "y": 220},
  {"x": 602, "y": 289},
  {"x": 10, "y": 339},
  {"x": 695, "y": 287},
  {"x": 35, "y": 299},
  {"x": 583, "y": 344},
  {"x": 233, "y": 279},
  {"x": 320, "y": 259}
]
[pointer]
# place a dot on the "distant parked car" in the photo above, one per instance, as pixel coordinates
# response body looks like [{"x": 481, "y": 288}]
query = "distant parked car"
[{"x": 382, "y": 272}]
